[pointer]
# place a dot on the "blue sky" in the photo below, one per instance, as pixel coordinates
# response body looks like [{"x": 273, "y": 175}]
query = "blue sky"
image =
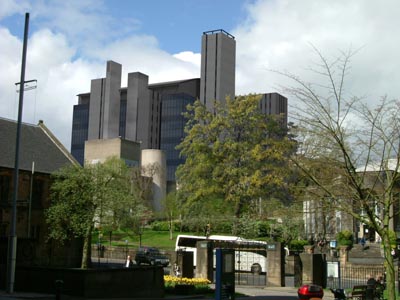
[
  {"x": 70, "y": 42},
  {"x": 177, "y": 24}
]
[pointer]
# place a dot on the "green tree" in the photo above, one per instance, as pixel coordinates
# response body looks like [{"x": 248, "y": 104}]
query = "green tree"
[
  {"x": 235, "y": 154},
  {"x": 349, "y": 150},
  {"x": 81, "y": 197}
]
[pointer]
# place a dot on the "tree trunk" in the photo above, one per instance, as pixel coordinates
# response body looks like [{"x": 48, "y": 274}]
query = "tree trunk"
[
  {"x": 389, "y": 266},
  {"x": 87, "y": 250},
  {"x": 171, "y": 228}
]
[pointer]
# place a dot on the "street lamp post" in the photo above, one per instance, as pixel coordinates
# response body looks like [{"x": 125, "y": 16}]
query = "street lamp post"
[{"x": 12, "y": 242}]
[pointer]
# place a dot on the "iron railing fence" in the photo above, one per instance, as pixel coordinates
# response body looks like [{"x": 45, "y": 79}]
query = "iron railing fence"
[{"x": 352, "y": 275}]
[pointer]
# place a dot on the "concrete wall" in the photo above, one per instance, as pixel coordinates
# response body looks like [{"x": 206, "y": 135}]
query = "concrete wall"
[
  {"x": 112, "y": 253},
  {"x": 189, "y": 86},
  {"x": 99, "y": 150}
]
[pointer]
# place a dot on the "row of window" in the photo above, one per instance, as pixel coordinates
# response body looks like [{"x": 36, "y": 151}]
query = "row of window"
[
  {"x": 5, "y": 231},
  {"x": 6, "y": 192}
]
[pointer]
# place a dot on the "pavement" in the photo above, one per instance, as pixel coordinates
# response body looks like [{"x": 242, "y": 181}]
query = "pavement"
[{"x": 248, "y": 292}]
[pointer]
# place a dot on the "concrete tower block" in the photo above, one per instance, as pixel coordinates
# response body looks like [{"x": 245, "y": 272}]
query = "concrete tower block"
[
  {"x": 105, "y": 104},
  {"x": 138, "y": 109},
  {"x": 217, "y": 79},
  {"x": 112, "y": 100}
]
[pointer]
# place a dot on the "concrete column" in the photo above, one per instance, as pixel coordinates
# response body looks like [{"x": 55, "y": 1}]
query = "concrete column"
[{"x": 154, "y": 165}]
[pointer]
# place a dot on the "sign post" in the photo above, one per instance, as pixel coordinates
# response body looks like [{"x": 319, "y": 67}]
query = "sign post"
[{"x": 225, "y": 274}]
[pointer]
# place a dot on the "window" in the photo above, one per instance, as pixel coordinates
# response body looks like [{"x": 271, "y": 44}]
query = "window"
[
  {"x": 35, "y": 231},
  {"x": 3, "y": 230},
  {"x": 4, "y": 188},
  {"x": 37, "y": 193}
]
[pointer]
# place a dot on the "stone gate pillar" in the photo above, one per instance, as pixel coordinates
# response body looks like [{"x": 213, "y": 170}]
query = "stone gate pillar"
[
  {"x": 204, "y": 260},
  {"x": 275, "y": 265},
  {"x": 344, "y": 254},
  {"x": 184, "y": 260},
  {"x": 314, "y": 269}
]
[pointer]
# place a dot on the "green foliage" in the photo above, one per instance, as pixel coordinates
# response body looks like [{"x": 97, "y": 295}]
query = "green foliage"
[
  {"x": 344, "y": 238},
  {"x": 263, "y": 228},
  {"x": 298, "y": 245},
  {"x": 247, "y": 227},
  {"x": 101, "y": 193},
  {"x": 222, "y": 226},
  {"x": 236, "y": 154},
  {"x": 163, "y": 225},
  {"x": 72, "y": 209}
]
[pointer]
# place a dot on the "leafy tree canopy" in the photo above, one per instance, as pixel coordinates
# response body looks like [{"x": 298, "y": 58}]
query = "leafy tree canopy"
[{"x": 236, "y": 154}]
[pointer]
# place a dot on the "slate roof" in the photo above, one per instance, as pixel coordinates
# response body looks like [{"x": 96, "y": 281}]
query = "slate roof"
[{"x": 37, "y": 144}]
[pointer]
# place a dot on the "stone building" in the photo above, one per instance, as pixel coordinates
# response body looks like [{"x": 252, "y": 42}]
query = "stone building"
[{"x": 40, "y": 155}]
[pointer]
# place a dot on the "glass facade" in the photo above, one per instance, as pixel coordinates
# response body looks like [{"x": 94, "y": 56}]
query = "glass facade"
[
  {"x": 172, "y": 129},
  {"x": 122, "y": 116},
  {"x": 80, "y": 124}
]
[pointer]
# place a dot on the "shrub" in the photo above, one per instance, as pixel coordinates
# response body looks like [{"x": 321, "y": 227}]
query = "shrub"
[
  {"x": 345, "y": 238},
  {"x": 263, "y": 228},
  {"x": 298, "y": 245},
  {"x": 160, "y": 226},
  {"x": 224, "y": 227}
]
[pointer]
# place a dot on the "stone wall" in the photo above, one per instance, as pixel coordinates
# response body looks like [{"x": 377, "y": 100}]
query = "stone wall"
[
  {"x": 137, "y": 282},
  {"x": 112, "y": 252}
]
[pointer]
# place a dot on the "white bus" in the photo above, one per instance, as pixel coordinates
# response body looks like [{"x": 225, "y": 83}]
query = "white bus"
[{"x": 249, "y": 254}]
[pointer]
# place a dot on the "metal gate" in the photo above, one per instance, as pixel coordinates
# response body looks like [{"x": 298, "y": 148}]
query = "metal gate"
[{"x": 250, "y": 261}]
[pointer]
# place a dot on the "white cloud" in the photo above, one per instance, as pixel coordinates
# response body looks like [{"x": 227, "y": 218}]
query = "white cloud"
[
  {"x": 189, "y": 56},
  {"x": 277, "y": 35},
  {"x": 141, "y": 53},
  {"x": 59, "y": 80},
  {"x": 10, "y": 7},
  {"x": 10, "y": 64},
  {"x": 86, "y": 23}
]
